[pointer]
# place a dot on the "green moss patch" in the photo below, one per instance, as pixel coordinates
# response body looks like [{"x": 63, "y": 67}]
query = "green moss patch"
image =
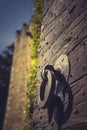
[{"x": 31, "y": 89}]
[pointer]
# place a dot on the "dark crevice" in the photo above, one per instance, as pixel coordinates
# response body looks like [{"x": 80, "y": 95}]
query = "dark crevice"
[
  {"x": 79, "y": 126},
  {"x": 72, "y": 48},
  {"x": 58, "y": 16},
  {"x": 81, "y": 102},
  {"x": 48, "y": 8},
  {"x": 59, "y": 13},
  {"x": 78, "y": 79},
  {"x": 65, "y": 36},
  {"x": 77, "y": 91},
  {"x": 76, "y": 45},
  {"x": 69, "y": 24},
  {"x": 72, "y": 9}
]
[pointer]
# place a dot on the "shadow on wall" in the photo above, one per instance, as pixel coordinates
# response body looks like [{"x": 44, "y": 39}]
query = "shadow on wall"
[
  {"x": 58, "y": 99},
  {"x": 61, "y": 108},
  {"x": 5, "y": 70}
]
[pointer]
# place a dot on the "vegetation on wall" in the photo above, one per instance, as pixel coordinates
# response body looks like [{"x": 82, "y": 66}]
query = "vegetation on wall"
[{"x": 31, "y": 89}]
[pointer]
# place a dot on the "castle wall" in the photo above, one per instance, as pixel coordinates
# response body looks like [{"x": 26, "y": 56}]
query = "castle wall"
[
  {"x": 64, "y": 30},
  {"x": 15, "y": 117}
]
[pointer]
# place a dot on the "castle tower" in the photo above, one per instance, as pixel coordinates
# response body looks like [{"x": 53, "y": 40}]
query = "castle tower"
[{"x": 15, "y": 117}]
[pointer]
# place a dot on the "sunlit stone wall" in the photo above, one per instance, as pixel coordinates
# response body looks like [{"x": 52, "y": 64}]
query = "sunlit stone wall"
[
  {"x": 15, "y": 117},
  {"x": 64, "y": 30}
]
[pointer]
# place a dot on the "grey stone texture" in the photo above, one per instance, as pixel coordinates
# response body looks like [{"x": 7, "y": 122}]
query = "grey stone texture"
[
  {"x": 16, "y": 100},
  {"x": 64, "y": 30}
]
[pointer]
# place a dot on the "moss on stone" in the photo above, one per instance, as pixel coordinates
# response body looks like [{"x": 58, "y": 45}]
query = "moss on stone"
[{"x": 31, "y": 89}]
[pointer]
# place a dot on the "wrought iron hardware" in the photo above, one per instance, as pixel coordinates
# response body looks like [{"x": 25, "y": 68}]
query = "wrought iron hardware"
[
  {"x": 54, "y": 80},
  {"x": 47, "y": 88}
]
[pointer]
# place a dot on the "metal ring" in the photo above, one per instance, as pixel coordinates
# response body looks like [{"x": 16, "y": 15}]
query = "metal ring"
[
  {"x": 44, "y": 75},
  {"x": 45, "y": 70},
  {"x": 47, "y": 90}
]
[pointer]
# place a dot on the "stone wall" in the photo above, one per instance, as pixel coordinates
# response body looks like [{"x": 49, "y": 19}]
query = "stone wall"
[
  {"x": 64, "y": 30},
  {"x": 16, "y": 100}
]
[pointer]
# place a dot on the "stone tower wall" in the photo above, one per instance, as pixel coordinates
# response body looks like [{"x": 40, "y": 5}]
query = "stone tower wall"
[{"x": 15, "y": 117}]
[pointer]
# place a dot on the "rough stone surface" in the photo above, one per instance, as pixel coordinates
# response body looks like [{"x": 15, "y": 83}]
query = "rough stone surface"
[
  {"x": 16, "y": 100},
  {"x": 64, "y": 30}
]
